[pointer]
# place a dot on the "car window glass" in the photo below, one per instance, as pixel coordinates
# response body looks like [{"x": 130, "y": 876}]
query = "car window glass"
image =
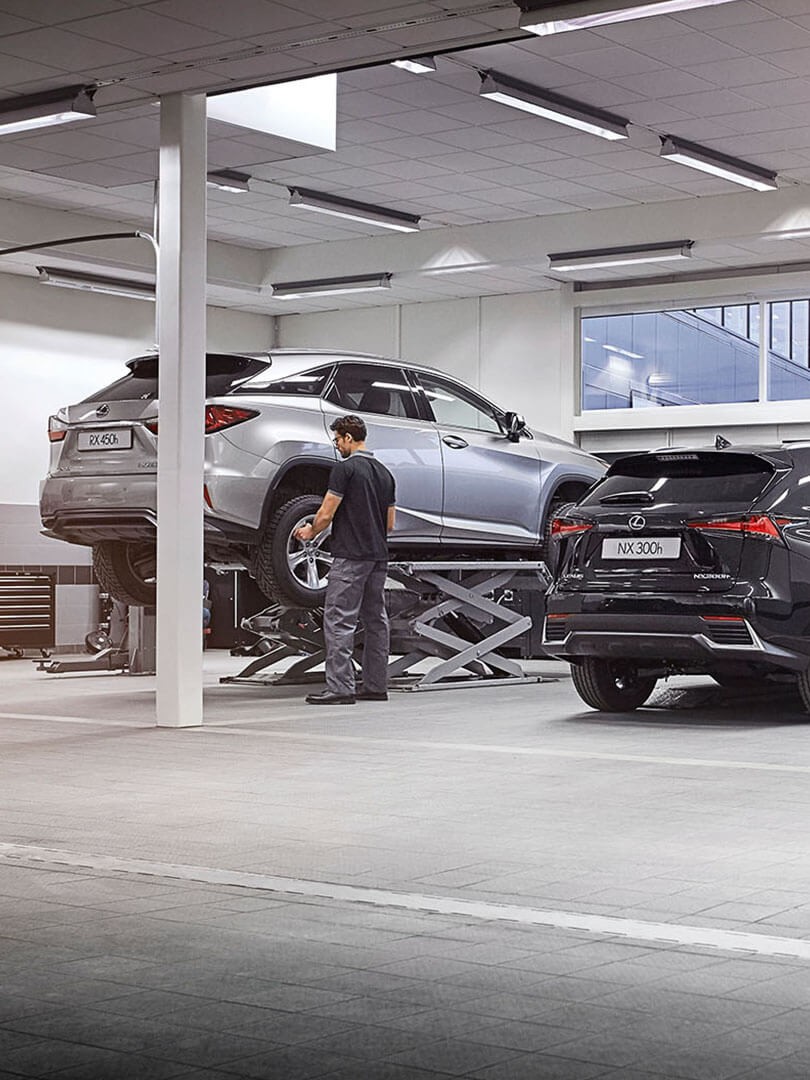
[
  {"x": 373, "y": 388},
  {"x": 453, "y": 405},
  {"x": 303, "y": 384},
  {"x": 222, "y": 374},
  {"x": 684, "y": 477}
]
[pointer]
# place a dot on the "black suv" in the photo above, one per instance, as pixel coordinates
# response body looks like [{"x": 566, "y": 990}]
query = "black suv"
[{"x": 685, "y": 561}]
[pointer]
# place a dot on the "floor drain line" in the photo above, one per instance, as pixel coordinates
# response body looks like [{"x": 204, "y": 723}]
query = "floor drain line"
[{"x": 610, "y": 925}]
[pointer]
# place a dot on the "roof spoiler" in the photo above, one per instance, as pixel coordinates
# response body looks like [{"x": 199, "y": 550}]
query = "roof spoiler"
[{"x": 215, "y": 363}]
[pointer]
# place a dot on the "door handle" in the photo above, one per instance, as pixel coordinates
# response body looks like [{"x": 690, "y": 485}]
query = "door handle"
[{"x": 455, "y": 442}]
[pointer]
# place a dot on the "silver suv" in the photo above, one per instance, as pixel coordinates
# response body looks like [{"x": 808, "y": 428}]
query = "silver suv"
[{"x": 471, "y": 478}]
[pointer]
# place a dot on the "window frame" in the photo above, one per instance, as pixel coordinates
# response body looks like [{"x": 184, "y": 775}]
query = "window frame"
[
  {"x": 640, "y": 426},
  {"x": 463, "y": 391},
  {"x": 364, "y": 362}
]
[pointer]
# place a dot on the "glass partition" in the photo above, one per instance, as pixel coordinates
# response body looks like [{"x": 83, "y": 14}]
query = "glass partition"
[{"x": 698, "y": 356}]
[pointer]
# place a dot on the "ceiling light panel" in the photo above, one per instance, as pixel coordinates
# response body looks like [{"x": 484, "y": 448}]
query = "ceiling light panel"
[
  {"x": 352, "y": 210},
  {"x": 75, "y": 279},
  {"x": 710, "y": 161},
  {"x": 229, "y": 180},
  {"x": 340, "y": 286},
  {"x": 630, "y": 255},
  {"x": 46, "y": 110},
  {"x": 562, "y": 110},
  {"x": 418, "y": 65},
  {"x": 545, "y": 19}
]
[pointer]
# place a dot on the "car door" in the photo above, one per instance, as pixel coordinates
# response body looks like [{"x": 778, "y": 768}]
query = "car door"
[
  {"x": 491, "y": 485},
  {"x": 408, "y": 445}
]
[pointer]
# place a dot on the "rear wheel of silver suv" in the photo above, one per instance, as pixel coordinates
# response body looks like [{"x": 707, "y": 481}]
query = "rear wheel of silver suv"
[
  {"x": 611, "y": 685},
  {"x": 127, "y": 571},
  {"x": 287, "y": 570}
]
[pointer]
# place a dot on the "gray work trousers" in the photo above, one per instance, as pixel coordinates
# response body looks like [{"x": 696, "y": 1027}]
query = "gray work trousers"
[{"x": 355, "y": 593}]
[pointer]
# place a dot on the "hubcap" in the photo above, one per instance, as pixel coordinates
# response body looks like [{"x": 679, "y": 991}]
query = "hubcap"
[{"x": 309, "y": 560}]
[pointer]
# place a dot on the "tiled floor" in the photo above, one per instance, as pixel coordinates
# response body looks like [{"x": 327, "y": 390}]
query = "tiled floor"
[{"x": 529, "y": 817}]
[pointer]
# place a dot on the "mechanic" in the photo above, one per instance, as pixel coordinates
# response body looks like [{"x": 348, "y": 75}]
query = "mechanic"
[{"x": 359, "y": 504}]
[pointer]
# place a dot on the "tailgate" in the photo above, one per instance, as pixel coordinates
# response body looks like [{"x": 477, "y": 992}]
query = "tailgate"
[{"x": 646, "y": 518}]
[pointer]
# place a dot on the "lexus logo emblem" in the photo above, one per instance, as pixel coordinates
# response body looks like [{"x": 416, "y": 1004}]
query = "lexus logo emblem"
[
  {"x": 637, "y": 522},
  {"x": 102, "y": 410}
]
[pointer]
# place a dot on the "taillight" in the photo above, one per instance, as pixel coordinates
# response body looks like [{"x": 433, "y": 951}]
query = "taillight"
[
  {"x": 217, "y": 418},
  {"x": 56, "y": 429},
  {"x": 565, "y": 527},
  {"x": 760, "y": 525}
]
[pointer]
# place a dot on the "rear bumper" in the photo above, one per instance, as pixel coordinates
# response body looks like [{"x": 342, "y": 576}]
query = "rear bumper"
[
  {"x": 666, "y": 639},
  {"x": 88, "y": 510}
]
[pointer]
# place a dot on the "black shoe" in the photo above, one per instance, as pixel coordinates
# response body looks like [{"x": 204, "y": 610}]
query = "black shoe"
[
  {"x": 328, "y": 698},
  {"x": 369, "y": 695}
]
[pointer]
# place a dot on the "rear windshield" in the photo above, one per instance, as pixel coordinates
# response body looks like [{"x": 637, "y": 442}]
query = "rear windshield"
[
  {"x": 223, "y": 373},
  {"x": 684, "y": 477}
]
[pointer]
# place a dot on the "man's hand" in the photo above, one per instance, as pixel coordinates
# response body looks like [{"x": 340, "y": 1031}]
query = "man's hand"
[{"x": 304, "y": 533}]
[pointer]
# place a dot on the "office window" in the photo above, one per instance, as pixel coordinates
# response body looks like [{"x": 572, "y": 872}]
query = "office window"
[{"x": 699, "y": 356}]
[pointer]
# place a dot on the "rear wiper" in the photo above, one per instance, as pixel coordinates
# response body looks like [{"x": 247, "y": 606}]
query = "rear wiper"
[{"x": 631, "y": 497}]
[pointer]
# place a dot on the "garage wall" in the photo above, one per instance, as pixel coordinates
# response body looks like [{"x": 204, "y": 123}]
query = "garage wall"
[
  {"x": 56, "y": 346},
  {"x": 515, "y": 349}
]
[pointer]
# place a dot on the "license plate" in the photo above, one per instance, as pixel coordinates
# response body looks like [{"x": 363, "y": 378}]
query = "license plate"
[
  {"x": 642, "y": 547},
  {"x": 106, "y": 439}
]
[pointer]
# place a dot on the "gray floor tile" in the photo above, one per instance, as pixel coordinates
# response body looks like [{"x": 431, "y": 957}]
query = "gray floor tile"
[
  {"x": 534, "y": 1066},
  {"x": 370, "y": 1043},
  {"x": 107, "y": 1065},
  {"x": 455, "y": 1056},
  {"x": 368, "y": 1010},
  {"x": 299, "y": 1063}
]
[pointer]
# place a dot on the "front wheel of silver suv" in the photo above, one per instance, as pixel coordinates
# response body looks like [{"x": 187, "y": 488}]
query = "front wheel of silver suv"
[
  {"x": 287, "y": 570},
  {"x": 127, "y": 571}
]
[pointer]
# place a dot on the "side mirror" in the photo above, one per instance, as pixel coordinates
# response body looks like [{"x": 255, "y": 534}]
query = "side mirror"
[{"x": 515, "y": 423}]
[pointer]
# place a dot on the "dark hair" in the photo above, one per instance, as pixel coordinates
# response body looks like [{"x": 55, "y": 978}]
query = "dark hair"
[{"x": 349, "y": 425}]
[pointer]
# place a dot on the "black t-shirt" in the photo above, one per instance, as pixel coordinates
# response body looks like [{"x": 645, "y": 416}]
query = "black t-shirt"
[{"x": 367, "y": 489}]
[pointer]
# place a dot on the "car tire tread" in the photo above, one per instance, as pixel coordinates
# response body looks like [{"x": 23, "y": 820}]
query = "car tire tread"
[
  {"x": 115, "y": 573},
  {"x": 271, "y": 571},
  {"x": 611, "y": 685}
]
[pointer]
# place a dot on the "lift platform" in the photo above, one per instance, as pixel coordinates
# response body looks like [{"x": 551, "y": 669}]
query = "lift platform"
[{"x": 442, "y": 610}]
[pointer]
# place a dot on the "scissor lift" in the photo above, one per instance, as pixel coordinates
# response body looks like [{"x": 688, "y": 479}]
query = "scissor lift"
[{"x": 439, "y": 610}]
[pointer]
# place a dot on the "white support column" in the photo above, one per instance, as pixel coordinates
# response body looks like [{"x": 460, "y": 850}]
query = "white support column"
[{"x": 181, "y": 284}]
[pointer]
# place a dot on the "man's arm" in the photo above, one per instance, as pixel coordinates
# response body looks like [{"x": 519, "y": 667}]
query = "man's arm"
[
  {"x": 323, "y": 517},
  {"x": 390, "y": 519}
]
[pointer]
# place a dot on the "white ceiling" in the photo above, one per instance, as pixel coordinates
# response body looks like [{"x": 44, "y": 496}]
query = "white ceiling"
[{"x": 734, "y": 77}]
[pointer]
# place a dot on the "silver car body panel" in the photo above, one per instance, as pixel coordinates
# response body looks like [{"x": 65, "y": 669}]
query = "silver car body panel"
[
  {"x": 410, "y": 449},
  {"x": 492, "y": 491}
]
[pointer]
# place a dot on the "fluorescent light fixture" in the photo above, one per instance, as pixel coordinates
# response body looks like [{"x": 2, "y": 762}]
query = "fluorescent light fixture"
[
  {"x": 340, "y": 286},
  {"x": 368, "y": 213},
  {"x": 710, "y": 161},
  {"x": 229, "y": 180},
  {"x": 75, "y": 279},
  {"x": 562, "y": 110},
  {"x": 555, "y": 18},
  {"x": 598, "y": 258},
  {"x": 419, "y": 65},
  {"x": 47, "y": 109}
]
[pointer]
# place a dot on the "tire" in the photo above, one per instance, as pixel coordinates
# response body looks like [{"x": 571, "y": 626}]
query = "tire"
[
  {"x": 127, "y": 571},
  {"x": 287, "y": 571},
  {"x": 804, "y": 689},
  {"x": 611, "y": 685}
]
